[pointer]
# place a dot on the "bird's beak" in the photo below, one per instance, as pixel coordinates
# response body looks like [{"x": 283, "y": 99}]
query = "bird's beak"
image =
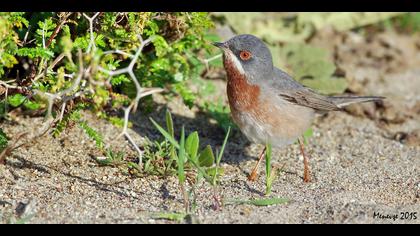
[{"x": 220, "y": 45}]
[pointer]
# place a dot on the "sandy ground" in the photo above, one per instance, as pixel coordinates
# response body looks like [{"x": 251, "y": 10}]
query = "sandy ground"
[
  {"x": 359, "y": 168},
  {"x": 357, "y": 173}
]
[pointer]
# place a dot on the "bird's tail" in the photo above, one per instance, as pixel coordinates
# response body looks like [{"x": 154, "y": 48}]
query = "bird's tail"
[{"x": 344, "y": 101}]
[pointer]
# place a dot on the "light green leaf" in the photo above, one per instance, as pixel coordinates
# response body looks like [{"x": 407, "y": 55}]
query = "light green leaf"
[
  {"x": 35, "y": 52},
  {"x": 206, "y": 157},
  {"x": 308, "y": 133},
  {"x": 170, "y": 216},
  {"x": 269, "y": 177},
  {"x": 260, "y": 202},
  {"x": 16, "y": 100},
  {"x": 31, "y": 105},
  {"x": 219, "y": 157},
  {"x": 215, "y": 171},
  {"x": 192, "y": 144}
]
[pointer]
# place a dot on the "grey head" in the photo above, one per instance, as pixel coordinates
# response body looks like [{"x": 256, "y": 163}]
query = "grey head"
[{"x": 249, "y": 55}]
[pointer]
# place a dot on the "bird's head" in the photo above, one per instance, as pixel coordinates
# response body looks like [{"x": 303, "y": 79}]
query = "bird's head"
[{"x": 248, "y": 55}]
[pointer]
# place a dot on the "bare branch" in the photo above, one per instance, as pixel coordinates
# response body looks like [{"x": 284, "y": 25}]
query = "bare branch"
[
  {"x": 207, "y": 61},
  {"x": 140, "y": 92},
  {"x": 43, "y": 35},
  {"x": 92, "y": 37},
  {"x": 52, "y": 97},
  {"x": 117, "y": 51},
  {"x": 26, "y": 35},
  {"x": 57, "y": 29},
  {"x": 128, "y": 136}
]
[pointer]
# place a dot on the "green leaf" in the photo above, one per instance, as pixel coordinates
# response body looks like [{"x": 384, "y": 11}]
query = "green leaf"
[
  {"x": 206, "y": 157},
  {"x": 192, "y": 144},
  {"x": 214, "y": 172},
  {"x": 120, "y": 79},
  {"x": 219, "y": 158},
  {"x": 66, "y": 43},
  {"x": 93, "y": 134},
  {"x": 170, "y": 123},
  {"x": 269, "y": 177},
  {"x": 99, "y": 40},
  {"x": 119, "y": 122},
  {"x": 187, "y": 95},
  {"x": 170, "y": 216},
  {"x": 16, "y": 100},
  {"x": 165, "y": 134},
  {"x": 31, "y": 105},
  {"x": 260, "y": 202},
  {"x": 73, "y": 116},
  {"x": 35, "y": 52},
  {"x": 308, "y": 133},
  {"x": 81, "y": 42},
  {"x": 161, "y": 46},
  {"x": 8, "y": 60}
]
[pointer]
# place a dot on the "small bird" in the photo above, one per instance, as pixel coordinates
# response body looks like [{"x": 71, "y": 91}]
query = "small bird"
[{"x": 266, "y": 103}]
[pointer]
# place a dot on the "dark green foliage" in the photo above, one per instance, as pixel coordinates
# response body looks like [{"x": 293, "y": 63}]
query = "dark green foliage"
[
  {"x": 9, "y": 39},
  {"x": 3, "y": 140},
  {"x": 93, "y": 134},
  {"x": 30, "y": 42},
  {"x": 72, "y": 117}
]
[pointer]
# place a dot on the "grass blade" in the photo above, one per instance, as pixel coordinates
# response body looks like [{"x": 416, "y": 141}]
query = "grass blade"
[
  {"x": 170, "y": 216},
  {"x": 181, "y": 157},
  {"x": 168, "y": 136},
  {"x": 170, "y": 124},
  {"x": 268, "y": 175},
  {"x": 219, "y": 158},
  {"x": 259, "y": 202}
]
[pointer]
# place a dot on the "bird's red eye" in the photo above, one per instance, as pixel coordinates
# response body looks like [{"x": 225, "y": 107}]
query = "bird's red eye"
[{"x": 245, "y": 55}]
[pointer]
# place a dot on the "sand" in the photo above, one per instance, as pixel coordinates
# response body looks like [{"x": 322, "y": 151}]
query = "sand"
[{"x": 356, "y": 173}]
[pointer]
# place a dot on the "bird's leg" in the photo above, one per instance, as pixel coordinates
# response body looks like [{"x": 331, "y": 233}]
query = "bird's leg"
[
  {"x": 254, "y": 172},
  {"x": 306, "y": 171}
]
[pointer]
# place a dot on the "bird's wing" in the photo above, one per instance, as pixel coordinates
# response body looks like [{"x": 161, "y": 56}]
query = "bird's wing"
[
  {"x": 294, "y": 92},
  {"x": 310, "y": 99}
]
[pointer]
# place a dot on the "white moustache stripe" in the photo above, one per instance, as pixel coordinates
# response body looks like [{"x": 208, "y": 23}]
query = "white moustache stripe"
[{"x": 237, "y": 64}]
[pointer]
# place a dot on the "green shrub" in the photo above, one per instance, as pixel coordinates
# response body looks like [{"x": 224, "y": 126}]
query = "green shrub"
[{"x": 39, "y": 54}]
